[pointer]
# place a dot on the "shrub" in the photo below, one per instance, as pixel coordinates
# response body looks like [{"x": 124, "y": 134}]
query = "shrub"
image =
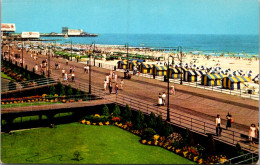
[
  {"x": 62, "y": 91},
  {"x": 159, "y": 125},
  {"x": 152, "y": 121},
  {"x": 148, "y": 134},
  {"x": 52, "y": 90},
  {"x": 116, "y": 112},
  {"x": 166, "y": 130},
  {"x": 139, "y": 120},
  {"x": 33, "y": 70},
  {"x": 126, "y": 114},
  {"x": 77, "y": 92},
  {"x": 105, "y": 110},
  {"x": 69, "y": 90}
]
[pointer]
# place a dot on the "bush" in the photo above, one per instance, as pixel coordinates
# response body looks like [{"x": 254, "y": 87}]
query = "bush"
[
  {"x": 69, "y": 90},
  {"x": 166, "y": 130},
  {"x": 139, "y": 120},
  {"x": 126, "y": 114},
  {"x": 152, "y": 121},
  {"x": 33, "y": 70},
  {"x": 62, "y": 91},
  {"x": 159, "y": 125},
  {"x": 148, "y": 134},
  {"x": 105, "y": 110},
  {"x": 52, "y": 90},
  {"x": 116, "y": 112}
]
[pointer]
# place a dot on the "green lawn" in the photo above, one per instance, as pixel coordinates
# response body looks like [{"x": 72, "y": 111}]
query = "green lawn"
[
  {"x": 96, "y": 145},
  {"x": 28, "y": 104},
  {"x": 5, "y": 76}
]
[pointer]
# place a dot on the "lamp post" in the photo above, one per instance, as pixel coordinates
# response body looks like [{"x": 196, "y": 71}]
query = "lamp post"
[
  {"x": 180, "y": 50},
  {"x": 168, "y": 98},
  {"x": 22, "y": 53},
  {"x": 49, "y": 62},
  {"x": 126, "y": 55},
  {"x": 90, "y": 68},
  {"x": 71, "y": 50}
]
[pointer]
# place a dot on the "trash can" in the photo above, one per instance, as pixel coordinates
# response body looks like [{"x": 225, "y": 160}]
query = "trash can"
[{"x": 250, "y": 91}]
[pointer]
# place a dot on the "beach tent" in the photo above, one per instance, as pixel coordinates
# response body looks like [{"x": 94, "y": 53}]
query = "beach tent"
[
  {"x": 159, "y": 70},
  {"x": 122, "y": 64},
  {"x": 175, "y": 73},
  {"x": 234, "y": 82},
  {"x": 145, "y": 68},
  {"x": 131, "y": 64},
  {"x": 190, "y": 76},
  {"x": 200, "y": 73},
  {"x": 212, "y": 79}
]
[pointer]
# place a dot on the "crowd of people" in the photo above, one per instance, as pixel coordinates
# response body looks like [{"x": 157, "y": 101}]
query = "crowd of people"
[{"x": 110, "y": 79}]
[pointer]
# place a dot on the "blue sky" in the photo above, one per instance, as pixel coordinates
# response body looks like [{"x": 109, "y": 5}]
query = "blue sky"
[{"x": 134, "y": 16}]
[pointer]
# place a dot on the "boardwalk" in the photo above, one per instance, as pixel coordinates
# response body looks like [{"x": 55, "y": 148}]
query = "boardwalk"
[{"x": 197, "y": 104}]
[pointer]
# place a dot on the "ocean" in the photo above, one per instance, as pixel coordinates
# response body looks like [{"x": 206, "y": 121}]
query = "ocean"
[{"x": 203, "y": 44}]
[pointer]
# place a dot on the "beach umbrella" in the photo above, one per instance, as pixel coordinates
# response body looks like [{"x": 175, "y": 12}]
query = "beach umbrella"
[
  {"x": 230, "y": 75},
  {"x": 250, "y": 71},
  {"x": 213, "y": 72},
  {"x": 243, "y": 74},
  {"x": 198, "y": 68},
  {"x": 249, "y": 75},
  {"x": 222, "y": 72}
]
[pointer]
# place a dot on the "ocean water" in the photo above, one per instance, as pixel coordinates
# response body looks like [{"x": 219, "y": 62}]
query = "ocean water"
[{"x": 204, "y": 44}]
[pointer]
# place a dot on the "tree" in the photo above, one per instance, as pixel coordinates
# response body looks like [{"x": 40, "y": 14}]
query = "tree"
[
  {"x": 116, "y": 111},
  {"x": 62, "y": 90},
  {"x": 152, "y": 121},
  {"x": 52, "y": 90},
  {"x": 28, "y": 77},
  {"x": 159, "y": 125},
  {"x": 148, "y": 134},
  {"x": 69, "y": 90},
  {"x": 105, "y": 110},
  {"x": 139, "y": 120},
  {"x": 126, "y": 114}
]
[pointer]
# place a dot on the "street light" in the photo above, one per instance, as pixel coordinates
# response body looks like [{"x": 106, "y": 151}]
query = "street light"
[
  {"x": 126, "y": 45},
  {"x": 168, "y": 77},
  {"x": 90, "y": 67},
  {"x": 180, "y": 50},
  {"x": 22, "y": 53}
]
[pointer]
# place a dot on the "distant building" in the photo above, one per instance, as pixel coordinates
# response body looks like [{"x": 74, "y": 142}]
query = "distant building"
[{"x": 66, "y": 30}]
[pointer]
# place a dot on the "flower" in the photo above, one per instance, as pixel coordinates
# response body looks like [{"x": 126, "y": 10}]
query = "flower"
[
  {"x": 83, "y": 121},
  {"x": 149, "y": 142},
  {"x": 143, "y": 141},
  {"x": 44, "y": 95},
  {"x": 88, "y": 122},
  {"x": 156, "y": 137},
  {"x": 200, "y": 161},
  {"x": 169, "y": 147},
  {"x": 97, "y": 115},
  {"x": 120, "y": 124},
  {"x": 100, "y": 123},
  {"x": 195, "y": 158},
  {"x": 178, "y": 151},
  {"x": 94, "y": 123},
  {"x": 115, "y": 119},
  {"x": 107, "y": 123}
]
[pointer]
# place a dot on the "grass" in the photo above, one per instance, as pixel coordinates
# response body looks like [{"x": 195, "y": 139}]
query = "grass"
[
  {"x": 5, "y": 76},
  {"x": 27, "y": 104},
  {"x": 96, "y": 145}
]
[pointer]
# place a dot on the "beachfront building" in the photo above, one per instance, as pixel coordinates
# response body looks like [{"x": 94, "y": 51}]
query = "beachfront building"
[
  {"x": 234, "y": 82},
  {"x": 122, "y": 64},
  {"x": 159, "y": 70},
  {"x": 212, "y": 79},
  {"x": 175, "y": 73},
  {"x": 146, "y": 68},
  {"x": 132, "y": 64}
]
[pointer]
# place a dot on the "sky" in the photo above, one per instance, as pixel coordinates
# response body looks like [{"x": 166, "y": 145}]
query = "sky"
[{"x": 134, "y": 16}]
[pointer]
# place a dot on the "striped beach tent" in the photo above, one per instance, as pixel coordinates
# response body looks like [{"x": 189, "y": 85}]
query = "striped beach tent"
[
  {"x": 175, "y": 73},
  {"x": 212, "y": 79},
  {"x": 122, "y": 64},
  {"x": 159, "y": 70},
  {"x": 234, "y": 82},
  {"x": 131, "y": 64},
  {"x": 145, "y": 68},
  {"x": 200, "y": 73},
  {"x": 190, "y": 76}
]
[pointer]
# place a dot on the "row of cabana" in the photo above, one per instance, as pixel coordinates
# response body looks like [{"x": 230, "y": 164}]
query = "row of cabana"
[{"x": 188, "y": 75}]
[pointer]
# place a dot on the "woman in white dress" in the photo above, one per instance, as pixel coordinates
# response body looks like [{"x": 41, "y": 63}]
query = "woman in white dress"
[
  {"x": 105, "y": 85},
  {"x": 65, "y": 76},
  {"x": 252, "y": 132},
  {"x": 160, "y": 102}
]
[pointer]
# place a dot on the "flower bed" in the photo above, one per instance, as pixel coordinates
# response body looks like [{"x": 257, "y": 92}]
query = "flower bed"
[{"x": 174, "y": 143}]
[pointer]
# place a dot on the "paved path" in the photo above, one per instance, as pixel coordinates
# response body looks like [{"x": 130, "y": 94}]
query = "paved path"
[{"x": 195, "y": 103}]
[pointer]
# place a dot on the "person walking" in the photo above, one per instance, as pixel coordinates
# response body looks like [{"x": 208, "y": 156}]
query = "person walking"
[
  {"x": 63, "y": 72},
  {"x": 105, "y": 85},
  {"x": 218, "y": 126},
  {"x": 116, "y": 88},
  {"x": 85, "y": 69},
  {"x": 36, "y": 68},
  {"x": 74, "y": 69},
  {"x": 163, "y": 98},
  {"x": 65, "y": 77},
  {"x": 115, "y": 77},
  {"x": 173, "y": 90},
  {"x": 121, "y": 84},
  {"x": 72, "y": 76},
  {"x": 67, "y": 62},
  {"x": 229, "y": 118},
  {"x": 160, "y": 99},
  {"x": 59, "y": 65},
  {"x": 110, "y": 87},
  {"x": 70, "y": 69},
  {"x": 252, "y": 133}
]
